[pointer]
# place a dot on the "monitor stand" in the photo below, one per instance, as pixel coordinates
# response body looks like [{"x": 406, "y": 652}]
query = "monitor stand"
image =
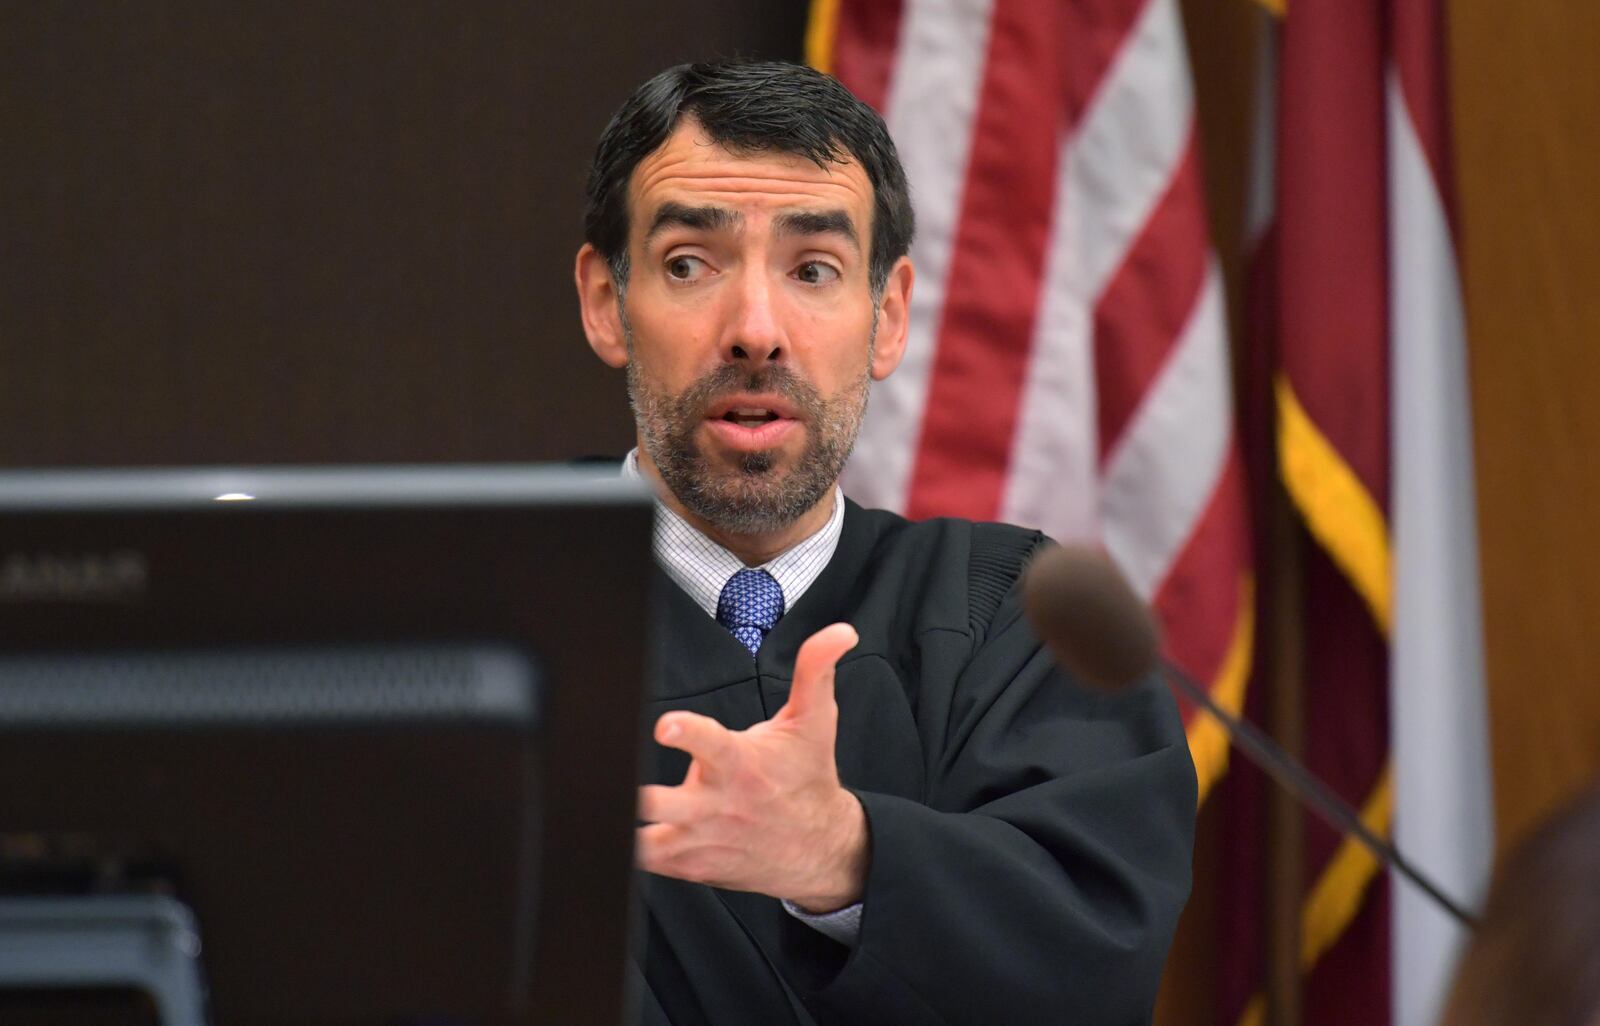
[{"x": 146, "y": 942}]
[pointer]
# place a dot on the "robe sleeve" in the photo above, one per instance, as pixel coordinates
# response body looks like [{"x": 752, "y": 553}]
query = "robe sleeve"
[{"x": 1041, "y": 878}]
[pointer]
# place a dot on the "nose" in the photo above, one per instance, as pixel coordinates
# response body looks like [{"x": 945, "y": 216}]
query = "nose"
[{"x": 754, "y": 335}]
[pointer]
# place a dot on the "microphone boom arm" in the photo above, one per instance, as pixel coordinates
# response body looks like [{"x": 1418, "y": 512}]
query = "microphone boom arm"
[{"x": 1291, "y": 774}]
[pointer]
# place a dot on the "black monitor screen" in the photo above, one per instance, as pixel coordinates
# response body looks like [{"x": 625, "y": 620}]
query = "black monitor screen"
[{"x": 374, "y": 729}]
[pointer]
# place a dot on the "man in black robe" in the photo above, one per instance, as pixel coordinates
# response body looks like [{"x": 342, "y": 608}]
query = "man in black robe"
[{"x": 876, "y": 800}]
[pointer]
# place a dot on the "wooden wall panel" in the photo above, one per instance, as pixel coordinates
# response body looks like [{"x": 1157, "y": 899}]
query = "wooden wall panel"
[
  {"x": 1527, "y": 123},
  {"x": 309, "y": 231}
]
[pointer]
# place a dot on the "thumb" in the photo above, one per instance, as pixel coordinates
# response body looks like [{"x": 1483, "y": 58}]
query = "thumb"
[{"x": 814, "y": 665}]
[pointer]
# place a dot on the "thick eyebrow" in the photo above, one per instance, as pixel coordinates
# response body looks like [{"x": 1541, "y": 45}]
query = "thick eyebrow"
[
  {"x": 679, "y": 215},
  {"x": 819, "y": 222}
]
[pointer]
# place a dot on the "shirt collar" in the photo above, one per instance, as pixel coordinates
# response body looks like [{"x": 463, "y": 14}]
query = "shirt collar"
[{"x": 701, "y": 567}]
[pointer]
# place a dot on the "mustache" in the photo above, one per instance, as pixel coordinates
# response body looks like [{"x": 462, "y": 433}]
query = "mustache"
[{"x": 732, "y": 380}]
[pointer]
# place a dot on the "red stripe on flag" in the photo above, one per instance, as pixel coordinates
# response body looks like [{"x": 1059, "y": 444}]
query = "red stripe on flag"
[
  {"x": 1333, "y": 237},
  {"x": 865, "y": 47},
  {"x": 1044, "y": 61},
  {"x": 1419, "y": 58},
  {"x": 992, "y": 291},
  {"x": 1150, "y": 300},
  {"x": 1096, "y": 32},
  {"x": 1198, "y": 601}
]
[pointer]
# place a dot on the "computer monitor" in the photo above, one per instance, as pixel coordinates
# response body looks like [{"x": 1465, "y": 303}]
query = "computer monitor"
[{"x": 377, "y": 728}]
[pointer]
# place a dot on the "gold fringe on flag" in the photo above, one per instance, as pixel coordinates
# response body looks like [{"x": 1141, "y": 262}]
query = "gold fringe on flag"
[
  {"x": 1338, "y": 509},
  {"x": 822, "y": 28},
  {"x": 1208, "y": 739},
  {"x": 1336, "y": 898}
]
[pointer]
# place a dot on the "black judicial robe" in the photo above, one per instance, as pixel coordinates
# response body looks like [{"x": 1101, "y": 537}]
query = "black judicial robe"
[{"x": 1031, "y": 839}]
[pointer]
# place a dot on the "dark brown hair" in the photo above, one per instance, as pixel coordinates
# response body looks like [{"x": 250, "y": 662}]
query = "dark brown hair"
[{"x": 750, "y": 106}]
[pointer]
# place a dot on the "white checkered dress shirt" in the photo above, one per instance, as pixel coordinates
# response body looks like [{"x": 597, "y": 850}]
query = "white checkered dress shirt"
[{"x": 701, "y": 567}]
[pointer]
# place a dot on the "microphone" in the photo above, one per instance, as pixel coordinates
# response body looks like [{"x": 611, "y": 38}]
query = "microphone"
[{"x": 1101, "y": 632}]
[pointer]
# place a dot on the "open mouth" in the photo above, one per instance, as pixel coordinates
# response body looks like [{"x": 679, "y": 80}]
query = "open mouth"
[
  {"x": 750, "y": 417},
  {"x": 752, "y": 422}
]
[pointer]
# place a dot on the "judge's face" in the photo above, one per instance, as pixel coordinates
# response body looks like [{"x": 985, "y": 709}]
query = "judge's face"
[{"x": 747, "y": 324}]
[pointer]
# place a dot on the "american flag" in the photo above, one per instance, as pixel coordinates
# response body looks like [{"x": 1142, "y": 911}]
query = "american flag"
[{"x": 1068, "y": 367}]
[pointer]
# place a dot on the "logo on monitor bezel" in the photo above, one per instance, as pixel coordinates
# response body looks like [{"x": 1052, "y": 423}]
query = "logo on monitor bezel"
[{"x": 115, "y": 576}]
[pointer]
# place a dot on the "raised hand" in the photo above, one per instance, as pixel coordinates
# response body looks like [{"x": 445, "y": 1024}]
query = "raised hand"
[{"x": 762, "y": 809}]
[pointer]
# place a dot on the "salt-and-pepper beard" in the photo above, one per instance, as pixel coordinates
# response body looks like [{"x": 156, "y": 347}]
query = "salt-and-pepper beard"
[{"x": 754, "y": 497}]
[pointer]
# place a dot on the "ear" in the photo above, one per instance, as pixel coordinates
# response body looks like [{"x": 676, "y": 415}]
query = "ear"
[
  {"x": 894, "y": 319},
  {"x": 597, "y": 299}
]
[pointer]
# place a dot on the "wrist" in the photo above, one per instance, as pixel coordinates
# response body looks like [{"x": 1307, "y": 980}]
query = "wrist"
[{"x": 844, "y": 879}]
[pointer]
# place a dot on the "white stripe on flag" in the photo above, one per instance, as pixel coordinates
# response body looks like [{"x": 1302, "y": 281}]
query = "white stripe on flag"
[
  {"x": 1114, "y": 169},
  {"x": 1261, "y": 198},
  {"x": 1052, "y": 480},
  {"x": 1443, "y": 810},
  {"x": 1165, "y": 469},
  {"x": 932, "y": 103},
  {"x": 1121, "y": 160}
]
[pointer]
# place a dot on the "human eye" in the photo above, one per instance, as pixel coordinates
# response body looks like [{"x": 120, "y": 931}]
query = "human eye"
[
  {"x": 683, "y": 267},
  {"x": 815, "y": 272}
]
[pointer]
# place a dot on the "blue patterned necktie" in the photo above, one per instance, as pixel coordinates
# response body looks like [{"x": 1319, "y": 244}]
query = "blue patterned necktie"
[{"x": 749, "y": 605}]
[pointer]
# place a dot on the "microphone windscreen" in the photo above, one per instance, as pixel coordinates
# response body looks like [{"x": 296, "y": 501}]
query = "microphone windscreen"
[{"x": 1082, "y": 608}]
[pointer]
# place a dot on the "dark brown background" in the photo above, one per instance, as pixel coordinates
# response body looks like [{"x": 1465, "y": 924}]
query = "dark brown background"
[{"x": 302, "y": 231}]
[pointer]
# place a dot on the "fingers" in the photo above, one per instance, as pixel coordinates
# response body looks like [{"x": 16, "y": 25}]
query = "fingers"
[
  {"x": 659, "y": 804},
  {"x": 711, "y": 744},
  {"x": 669, "y": 850},
  {"x": 813, "y": 669},
  {"x": 653, "y": 844}
]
